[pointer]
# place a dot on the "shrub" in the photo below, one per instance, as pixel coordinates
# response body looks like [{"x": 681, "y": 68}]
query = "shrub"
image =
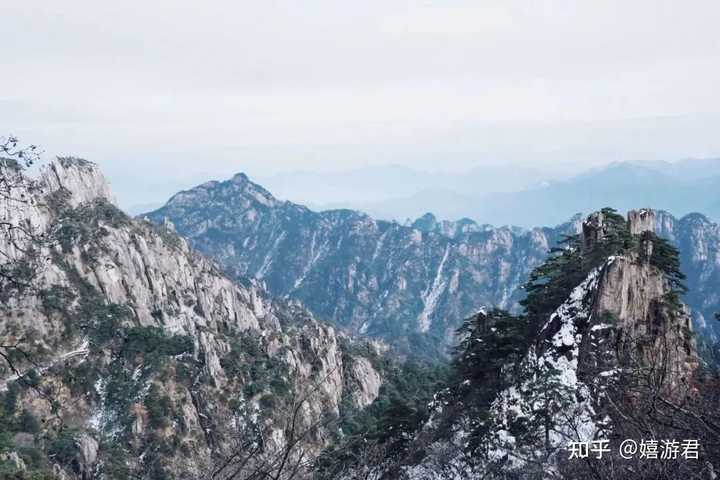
[
  {"x": 153, "y": 341},
  {"x": 62, "y": 447},
  {"x": 159, "y": 408},
  {"x": 27, "y": 422},
  {"x": 6, "y": 442}
]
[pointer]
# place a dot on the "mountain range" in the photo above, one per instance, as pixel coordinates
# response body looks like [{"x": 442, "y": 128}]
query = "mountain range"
[
  {"x": 126, "y": 353},
  {"x": 410, "y": 284},
  {"x": 501, "y": 195}
]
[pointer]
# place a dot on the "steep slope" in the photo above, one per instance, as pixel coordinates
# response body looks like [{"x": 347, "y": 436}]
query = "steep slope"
[
  {"x": 380, "y": 278},
  {"x": 615, "y": 360},
  {"x": 125, "y": 354},
  {"x": 698, "y": 240}
]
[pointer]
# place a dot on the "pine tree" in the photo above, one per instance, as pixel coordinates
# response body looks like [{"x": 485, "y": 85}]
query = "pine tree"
[
  {"x": 490, "y": 343},
  {"x": 550, "y": 283}
]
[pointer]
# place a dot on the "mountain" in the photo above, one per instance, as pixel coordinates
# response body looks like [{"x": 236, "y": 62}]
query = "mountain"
[
  {"x": 603, "y": 354},
  {"x": 622, "y": 186},
  {"x": 413, "y": 286},
  {"x": 125, "y": 354},
  {"x": 678, "y": 187},
  {"x": 698, "y": 240}
]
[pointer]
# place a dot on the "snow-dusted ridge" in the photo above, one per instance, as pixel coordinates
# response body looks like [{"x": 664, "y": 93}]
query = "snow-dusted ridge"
[{"x": 576, "y": 421}]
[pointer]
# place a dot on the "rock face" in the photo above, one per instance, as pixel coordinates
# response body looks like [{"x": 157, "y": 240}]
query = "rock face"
[
  {"x": 618, "y": 319},
  {"x": 634, "y": 294},
  {"x": 80, "y": 177},
  {"x": 641, "y": 221},
  {"x": 698, "y": 240},
  {"x": 411, "y": 284},
  {"x": 147, "y": 360}
]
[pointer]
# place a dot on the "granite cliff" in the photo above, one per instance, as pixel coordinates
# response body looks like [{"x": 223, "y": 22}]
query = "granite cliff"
[{"x": 128, "y": 355}]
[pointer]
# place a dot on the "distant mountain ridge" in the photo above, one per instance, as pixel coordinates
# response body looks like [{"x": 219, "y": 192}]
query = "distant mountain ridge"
[
  {"x": 412, "y": 284},
  {"x": 506, "y": 196},
  {"x": 675, "y": 189}
]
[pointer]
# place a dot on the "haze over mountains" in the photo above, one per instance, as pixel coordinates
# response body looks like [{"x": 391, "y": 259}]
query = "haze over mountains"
[
  {"x": 413, "y": 284},
  {"x": 374, "y": 277},
  {"x": 508, "y": 195},
  {"x": 147, "y": 361}
]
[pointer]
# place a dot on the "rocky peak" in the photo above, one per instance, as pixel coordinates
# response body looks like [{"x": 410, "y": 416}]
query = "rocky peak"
[
  {"x": 641, "y": 221},
  {"x": 240, "y": 179},
  {"x": 138, "y": 321},
  {"x": 621, "y": 323},
  {"x": 426, "y": 223},
  {"x": 255, "y": 192},
  {"x": 238, "y": 192},
  {"x": 593, "y": 230},
  {"x": 696, "y": 220},
  {"x": 81, "y": 178}
]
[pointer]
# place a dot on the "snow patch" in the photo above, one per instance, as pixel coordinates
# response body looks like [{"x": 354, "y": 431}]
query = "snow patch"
[
  {"x": 432, "y": 294},
  {"x": 267, "y": 261}
]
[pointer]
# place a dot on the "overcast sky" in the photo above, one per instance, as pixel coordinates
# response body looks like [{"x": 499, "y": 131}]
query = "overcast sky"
[{"x": 171, "y": 93}]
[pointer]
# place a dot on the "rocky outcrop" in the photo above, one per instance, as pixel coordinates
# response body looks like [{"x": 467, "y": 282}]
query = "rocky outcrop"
[
  {"x": 80, "y": 177},
  {"x": 368, "y": 382},
  {"x": 698, "y": 240},
  {"x": 641, "y": 221},
  {"x": 87, "y": 455},
  {"x": 634, "y": 295},
  {"x": 617, "y": 329},
  {"x": 139, "y": 341}
]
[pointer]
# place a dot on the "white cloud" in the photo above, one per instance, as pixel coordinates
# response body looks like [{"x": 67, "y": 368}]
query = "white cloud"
[{"x": 280, "y": 84}]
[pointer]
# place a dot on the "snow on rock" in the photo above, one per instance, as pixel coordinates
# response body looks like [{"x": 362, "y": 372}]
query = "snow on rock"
[
  {"x": 557, "y": 365},
  {"x": 160, "y": 282},
  {"x": 641, "y": 221},
  {"x": 432, "y": 294}
]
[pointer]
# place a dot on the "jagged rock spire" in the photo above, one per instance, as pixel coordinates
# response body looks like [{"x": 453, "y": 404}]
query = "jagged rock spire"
[
  {"x": 642, "y": 220},
  {"x": 593, "y": 230},
  {"x": 594, "y": 227}
]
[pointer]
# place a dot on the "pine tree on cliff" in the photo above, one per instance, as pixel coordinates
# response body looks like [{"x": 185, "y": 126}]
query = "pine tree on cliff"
[{"x": 490, "y": 342}]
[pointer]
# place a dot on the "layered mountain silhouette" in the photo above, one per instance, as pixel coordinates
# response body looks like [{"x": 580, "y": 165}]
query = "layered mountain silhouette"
[
  {"x": 412, "y": 284},
  {"x": 522, "y": 196}
]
